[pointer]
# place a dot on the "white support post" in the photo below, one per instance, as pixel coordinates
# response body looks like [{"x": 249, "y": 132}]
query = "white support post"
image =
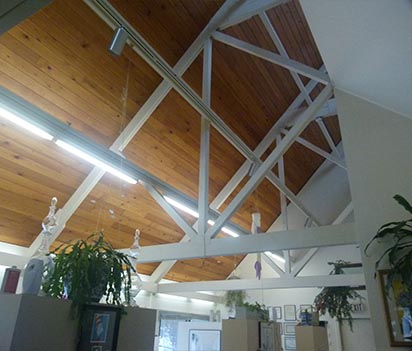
[
  {"x": 271, "y": 160},
  {"x": 275, "y": 241},
  {"x": 279, "y": 46},
  {"x": 270, "y": 56},
  {"x": 283, "y": 206},
  {"x": 285, "y": 282},
  {"x": 248, "y": 10},
  {"x": 187, "y": 229},
  {"x": 140, "y": 117},
  {"x": 205, "y": 141}
]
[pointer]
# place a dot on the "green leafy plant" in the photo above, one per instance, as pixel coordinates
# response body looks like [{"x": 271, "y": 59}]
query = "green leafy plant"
[
  {"x": 335, "y": 300},
  {"x": 86, "y": 270},
  {"x": 260, "y": 309},
  {"x": 234, "y": 298},
  {"x": 399, "y": 254}
]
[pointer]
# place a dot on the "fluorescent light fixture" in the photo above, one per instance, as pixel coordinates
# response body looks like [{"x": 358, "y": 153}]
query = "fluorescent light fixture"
[
  {"x": 276, "y": 257},
  {"x": 89, "y": 158},
  {"x": 225, "y": 229},
  {"x": 182, "y": 207},
  {"x": 24, "y": 124},
  {"x": 193, "y": 213}
]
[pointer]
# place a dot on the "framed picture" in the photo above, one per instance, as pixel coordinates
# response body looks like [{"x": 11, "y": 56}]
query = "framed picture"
[
  {"x": 100, "y": 328},
  {"x": 204, "y": 339},
  {"x": 303, "y": 308},
  {"x": 277, "y": 313},
  {"x": 290, "y": 312},
  {"x": 290, "y": 343},
  {"x": 398, "y": 317},
  {"x": 267, "y": 336},
  {"x": 289, "y": 328}
]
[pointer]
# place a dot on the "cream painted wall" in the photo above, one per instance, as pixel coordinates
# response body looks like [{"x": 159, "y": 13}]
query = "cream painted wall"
[{"x": 378, "y": 146}]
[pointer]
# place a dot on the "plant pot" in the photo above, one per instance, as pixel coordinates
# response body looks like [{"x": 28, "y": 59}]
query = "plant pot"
[{"x": 245, "y": 313}]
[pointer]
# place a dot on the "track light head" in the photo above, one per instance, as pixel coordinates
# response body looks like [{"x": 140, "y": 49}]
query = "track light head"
[{"x": 119, "y": 41}]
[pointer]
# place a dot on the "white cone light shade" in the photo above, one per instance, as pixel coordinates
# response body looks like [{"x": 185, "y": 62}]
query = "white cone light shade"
[
  {"x": 89, "y": 158},
  {"x": 11, "y": 117}
]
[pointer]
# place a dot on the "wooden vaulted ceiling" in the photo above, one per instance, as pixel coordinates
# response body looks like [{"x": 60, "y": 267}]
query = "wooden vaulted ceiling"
[{"x": 58, "y": 60}]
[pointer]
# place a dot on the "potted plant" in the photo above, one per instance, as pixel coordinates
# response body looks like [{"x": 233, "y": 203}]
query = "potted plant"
[
  {"x": 399, "y": 252},
  {"x": 234, "y": 298},
  {"x": 335, "y": 300},
  {"x": 86, "y": 270},
  {"x": 259, "y": 310}
]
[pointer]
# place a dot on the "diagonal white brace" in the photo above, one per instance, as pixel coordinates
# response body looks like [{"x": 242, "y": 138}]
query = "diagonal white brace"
[{"x": 270, "y": 56}]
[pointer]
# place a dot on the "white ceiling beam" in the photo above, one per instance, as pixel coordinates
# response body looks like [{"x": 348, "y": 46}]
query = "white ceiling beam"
[
  {"x": 272, "y": 264},
  {"x": 169, "y": 209},
  {"x": 319, "y": 151},
  {"x": 12, "y": 12},
  {"x": 285, "y": 282},
  {"x": 248, "y": 10},
  {"x": 140, "y": 117},
  {"x": 343, "y": 234},
  {"x": 281, "y": 49},
  {"x": 327, "y": 136},
  {"x": 271, "y": 160},
  {"x": 270, "y": 56},
  {"x": 203, "y": 203}
]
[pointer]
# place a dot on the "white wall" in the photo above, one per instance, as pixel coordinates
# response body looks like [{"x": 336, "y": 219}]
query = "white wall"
[{"x": 378, "y": 146}]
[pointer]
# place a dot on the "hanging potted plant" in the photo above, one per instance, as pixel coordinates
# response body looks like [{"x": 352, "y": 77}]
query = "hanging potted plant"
[
  {"x": 86, "y": 270},
  {"x": 336, "y": 300},
  {"x": 399, "y": 253}
]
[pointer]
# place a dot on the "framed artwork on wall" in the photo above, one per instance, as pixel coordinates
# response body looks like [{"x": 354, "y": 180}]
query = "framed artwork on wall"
[
  {"x": 204, "y": 339},
  {"x": 290, "y": 343},
  {"x": 290, "y": 312},
  {"x": 100, "y": 328},
  {"x": 397, "y": 311},
  {"x": 308, "y": 308},
  {"x": 277, "y": 313},
  {"x": 289, "y": 328}
]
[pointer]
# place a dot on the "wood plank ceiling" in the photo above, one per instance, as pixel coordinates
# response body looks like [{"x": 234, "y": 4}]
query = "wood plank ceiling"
[{"x": 58, "y": 61}]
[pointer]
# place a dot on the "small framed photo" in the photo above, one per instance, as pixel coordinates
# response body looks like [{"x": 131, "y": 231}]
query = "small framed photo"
[
  {"x": 289, "y": 328},
  {"x": 277, "y": 313},
  {"x": 100, "y": 328},
  {"x": 290, "y": 312},
  {"x": 290, "y": 343},
  {"x": 304, "y": 308}
]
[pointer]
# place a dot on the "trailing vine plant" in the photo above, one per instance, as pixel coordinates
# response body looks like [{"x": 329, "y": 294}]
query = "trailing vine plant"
[{"x": 86, "y": 270}]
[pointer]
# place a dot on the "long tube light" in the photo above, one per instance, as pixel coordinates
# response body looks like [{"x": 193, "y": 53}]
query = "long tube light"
[
  {"x": 193, "y": 213},
  {"x": 12, "y": 117},
  {"x": 276, "y": 257},
  {"x": 94, "y": 161}
]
